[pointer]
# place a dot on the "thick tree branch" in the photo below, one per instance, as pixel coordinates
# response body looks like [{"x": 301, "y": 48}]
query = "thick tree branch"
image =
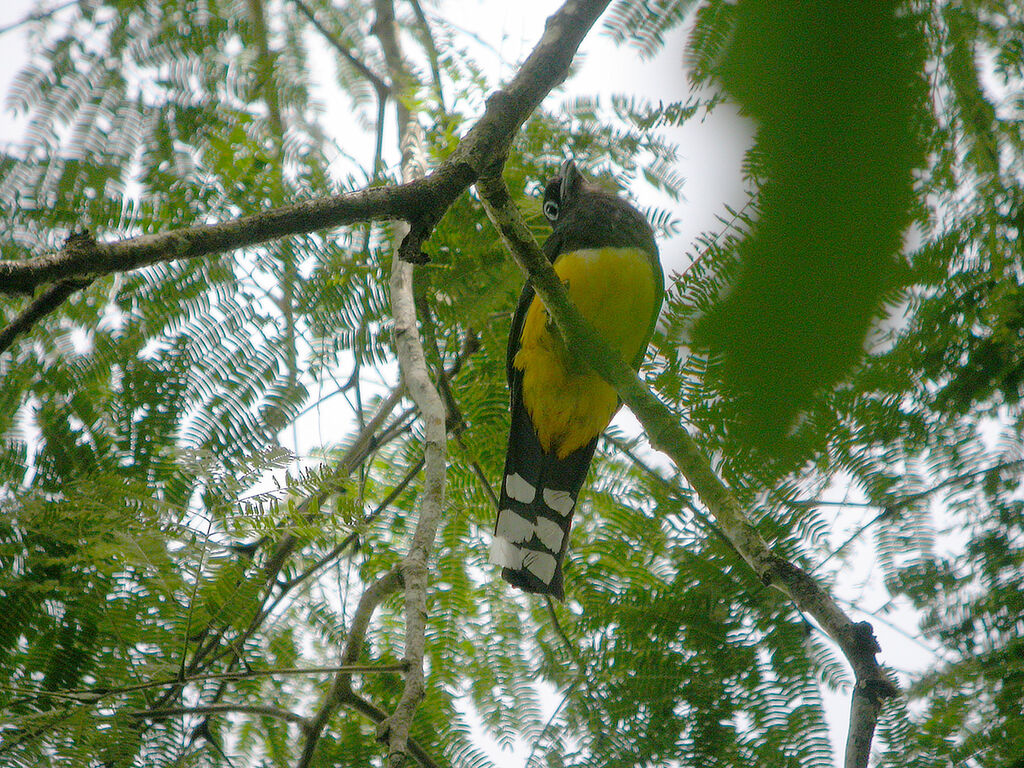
[
  {"x": 92, "y": 695},
  {"x": 375, "y": 203},
  {"x": 421, "y": 202},
  {"x": 856, "y": 640}
]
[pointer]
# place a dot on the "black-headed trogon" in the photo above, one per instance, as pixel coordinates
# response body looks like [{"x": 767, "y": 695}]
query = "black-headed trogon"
[{"x": 604, "y": 251}]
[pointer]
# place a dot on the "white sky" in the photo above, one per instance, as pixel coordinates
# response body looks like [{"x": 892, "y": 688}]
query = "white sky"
[{"x": 711, "y": 154}]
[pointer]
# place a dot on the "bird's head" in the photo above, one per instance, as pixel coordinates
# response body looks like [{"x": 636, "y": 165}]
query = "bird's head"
[
  {"x": 583, "y": 215},
  {"x": 562, "y": 192}
]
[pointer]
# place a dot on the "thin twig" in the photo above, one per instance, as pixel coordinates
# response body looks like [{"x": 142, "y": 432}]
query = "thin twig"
[
  {"x": 377, "y": 715},
  {"x": 284, "y": 588},
  {"x": 379, "y": 83},
  {"x": 380, "y": 86},
  {"x": 37, "y": 16},
  {"x": 454, "y": 419},
  {"x": 551, "y": 720},
  {"x": 579, "y": 677},
  {"x": 431, "y": 47},
  {"x": 283, "y": 548},
  {"x": 213, "y": 709},
  {"x": 892, "y": 506},
  {"x": 354, "y": 536}
]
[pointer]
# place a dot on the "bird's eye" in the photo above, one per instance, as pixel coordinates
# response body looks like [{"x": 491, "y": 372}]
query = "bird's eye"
[{"x": 551, "y": 209}]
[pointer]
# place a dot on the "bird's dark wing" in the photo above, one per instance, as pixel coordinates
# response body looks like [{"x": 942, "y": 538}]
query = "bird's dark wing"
[
  {"x": 515, "y": 333},
  {"x": 538, "y": 490}
]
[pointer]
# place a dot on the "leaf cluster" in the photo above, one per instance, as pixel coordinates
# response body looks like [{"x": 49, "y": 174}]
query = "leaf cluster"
[{"x": 166, "y": 430}]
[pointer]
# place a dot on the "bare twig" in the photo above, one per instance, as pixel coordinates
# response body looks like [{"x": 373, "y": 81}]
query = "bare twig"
[
  {"x": 353, "y": 537},
  {"x": 38, "y": 16},
  {"x": 377, "y": 715},
  {"x": 453, "y": 414},
  {"x": 431, "y": 48},
  {"x": 283, "y": 548},
  {"x": 266, "y": 69},
  {"x": 212, "y": 709},
  {"x": 367, "y": 441},
  {"x": 856, "y": 640},
  {"x": 892, "y": 505},
  {"x": 380, "y": 86},
  {"x": 551, "y": 720},
  {"x": 276, "y": 591}
]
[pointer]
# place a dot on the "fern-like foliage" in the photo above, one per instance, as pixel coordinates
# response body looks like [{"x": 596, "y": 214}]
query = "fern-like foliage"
[{"x": 180, "y": 559}]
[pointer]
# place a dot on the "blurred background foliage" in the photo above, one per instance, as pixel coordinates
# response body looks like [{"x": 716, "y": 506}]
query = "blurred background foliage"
[{"x": 161, "y": 428}]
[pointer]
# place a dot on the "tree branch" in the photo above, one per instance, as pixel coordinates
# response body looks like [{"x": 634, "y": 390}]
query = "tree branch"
[
  {"x": 283, "y": 548},
  {"x": 421, "y": 202},
  {"x": 364, "y": 443},
  {"x": 352, "y": 537},
  {"x": 213, "y": 709},
  {"x": 431, "y": 47},
  {"x": 341, "y": 688},
  {"x": 378, "y": 82},
  {"x": 380, "y": 86},
  {"x": 366, "y": 708},
  {"x": 38, "y": 16},
  {"x": 397, "y": 202},
  {"x": 412, "y": 361},
  {"x": 453, "y": 414},
  {"x": 40, "y": 307},
  {"x": 856, "y": 640},
  {"x": 266, "y": 68}
]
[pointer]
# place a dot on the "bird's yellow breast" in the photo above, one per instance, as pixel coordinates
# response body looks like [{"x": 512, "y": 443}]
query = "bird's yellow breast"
[{"x": 569, "y": 404}]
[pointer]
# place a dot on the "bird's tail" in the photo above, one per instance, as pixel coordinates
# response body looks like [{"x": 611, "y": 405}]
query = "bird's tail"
[{"x": 538, "y": 497}]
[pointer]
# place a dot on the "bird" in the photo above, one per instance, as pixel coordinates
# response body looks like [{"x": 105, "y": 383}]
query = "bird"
[{"x": 604, "y": 252}]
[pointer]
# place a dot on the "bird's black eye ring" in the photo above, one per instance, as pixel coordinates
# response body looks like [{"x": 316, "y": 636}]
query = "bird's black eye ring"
[{"x": 551, "y": 209}]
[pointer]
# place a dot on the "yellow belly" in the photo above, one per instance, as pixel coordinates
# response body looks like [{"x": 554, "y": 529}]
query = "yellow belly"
[{"x": 569, "y": 404}]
